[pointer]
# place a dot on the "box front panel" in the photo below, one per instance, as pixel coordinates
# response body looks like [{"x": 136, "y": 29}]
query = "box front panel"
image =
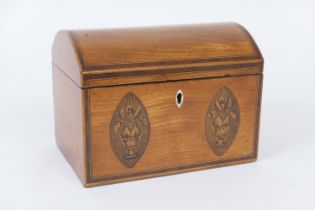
[{"x": 144, "y": 130}]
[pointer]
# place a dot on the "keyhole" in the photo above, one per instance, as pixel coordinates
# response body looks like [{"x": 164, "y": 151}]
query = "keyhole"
[{"x": 179, "y": 98}]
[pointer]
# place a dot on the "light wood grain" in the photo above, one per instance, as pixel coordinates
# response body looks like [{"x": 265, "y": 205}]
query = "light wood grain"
[
  {"x": 177, "y": 134},
  {"x": 92, "y": 57},
  {"x": 158, "y": 44},
  {"x": 94, "y": 69},
  {"x": 69, "y": 121}
]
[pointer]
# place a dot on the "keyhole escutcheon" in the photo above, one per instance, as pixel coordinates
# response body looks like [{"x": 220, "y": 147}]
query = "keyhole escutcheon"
[{"x": 179, "y": 98}]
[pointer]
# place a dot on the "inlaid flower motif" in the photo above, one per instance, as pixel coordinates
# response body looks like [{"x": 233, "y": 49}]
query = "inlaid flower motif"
[
  {"x": 222, "y": 121},
  {"x": 130, "y": 130}
]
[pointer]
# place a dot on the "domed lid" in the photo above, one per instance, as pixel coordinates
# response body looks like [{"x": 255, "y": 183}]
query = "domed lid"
[{"x": 152, "y": 54}]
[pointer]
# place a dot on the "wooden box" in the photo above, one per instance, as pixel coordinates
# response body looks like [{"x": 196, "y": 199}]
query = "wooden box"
[{"x": 144, "y": 102}]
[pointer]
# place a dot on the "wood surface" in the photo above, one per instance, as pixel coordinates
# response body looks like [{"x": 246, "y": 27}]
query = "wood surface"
[
  {"x": 96, "y": 72},
  {"x": 69, "y": 121},
  {"x": 177, "y": 140},
  {"x": 64, "y": 57},
  {"x": 103, "y": 49},
  {"x": 94, "y": 58}
]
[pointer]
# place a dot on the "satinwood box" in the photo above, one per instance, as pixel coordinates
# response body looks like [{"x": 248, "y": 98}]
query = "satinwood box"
[{"x": 143, "y": 102}]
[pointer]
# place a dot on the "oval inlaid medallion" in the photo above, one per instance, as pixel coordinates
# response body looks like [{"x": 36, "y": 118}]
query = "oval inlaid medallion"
[
  {"x": 222, "y": 121},
  {"x": 129, "y": 130}
]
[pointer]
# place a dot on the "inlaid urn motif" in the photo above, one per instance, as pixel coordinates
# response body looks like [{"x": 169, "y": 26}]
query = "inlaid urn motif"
[
  {"x": 129, "y": 130},
  {"x": 222, "y": 121}
]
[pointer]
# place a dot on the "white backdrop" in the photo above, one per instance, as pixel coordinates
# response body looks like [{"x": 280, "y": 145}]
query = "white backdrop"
[{"x": 34, "y": 174}]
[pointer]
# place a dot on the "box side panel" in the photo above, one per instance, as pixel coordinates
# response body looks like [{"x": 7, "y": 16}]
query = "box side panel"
[
  {"x": 260, "y": 79},
  {"x": 179, "y": 139},
  {"x": 69, "y": 121}
]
